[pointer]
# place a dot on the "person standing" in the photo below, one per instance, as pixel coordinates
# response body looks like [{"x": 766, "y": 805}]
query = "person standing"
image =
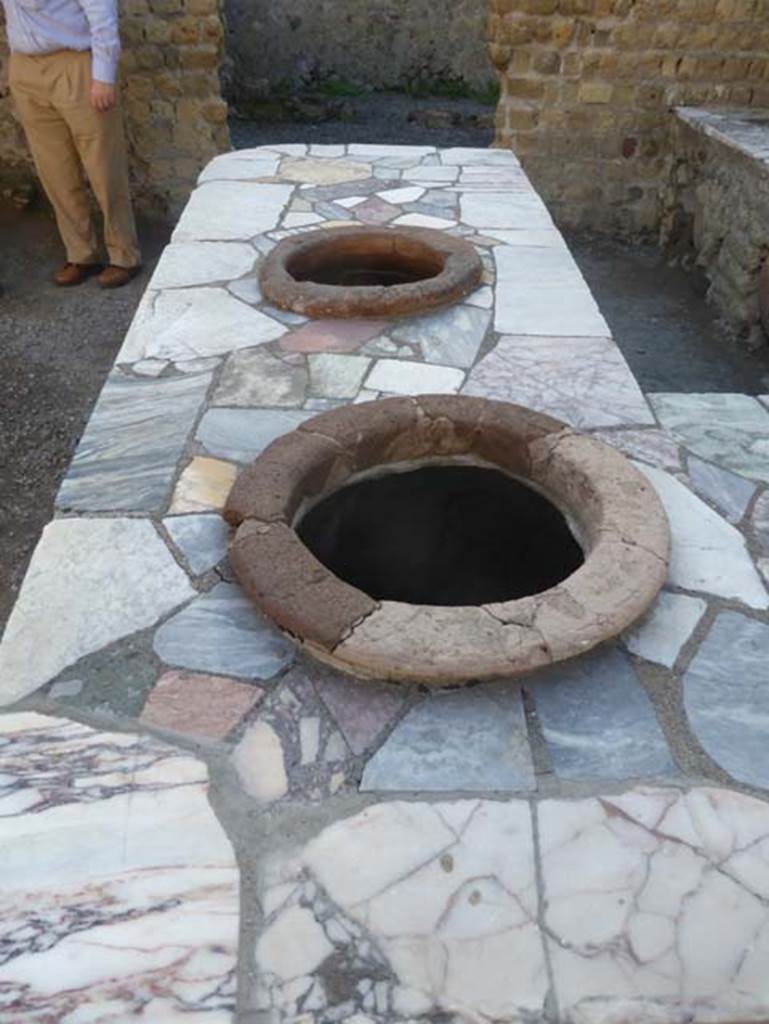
[{"x": 62, "y": 73}]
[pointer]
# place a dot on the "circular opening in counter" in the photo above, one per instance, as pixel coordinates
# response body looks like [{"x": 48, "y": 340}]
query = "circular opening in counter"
[
  {"x": 369, "y": 272},
  {"x": 444, "y": 539},
  {"x": 442, "y": 535}
]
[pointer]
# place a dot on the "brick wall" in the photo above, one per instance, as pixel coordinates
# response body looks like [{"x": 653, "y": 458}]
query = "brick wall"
[
  {"x": 176, "y": 119},
  {"x": 587, "y": 86}
]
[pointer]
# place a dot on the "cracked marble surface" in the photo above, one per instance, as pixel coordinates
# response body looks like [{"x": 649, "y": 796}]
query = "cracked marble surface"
[
  {"x": 120, "y": 888},
  {"x": 436, "y": 903},
  {"x": 458, "y": 912},
  {"x": 634, "y": 886}
]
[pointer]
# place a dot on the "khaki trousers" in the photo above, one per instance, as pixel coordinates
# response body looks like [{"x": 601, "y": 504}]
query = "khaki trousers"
[{"x": 66, "y": 135}]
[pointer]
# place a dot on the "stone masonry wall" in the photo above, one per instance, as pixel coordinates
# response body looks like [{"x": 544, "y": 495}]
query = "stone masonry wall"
[
  {"x": 587, "y": 86},
  {"x": 716, "y": 204},
  {"x": 176, "y": 119},
  {"x": 378, "y": 43}
]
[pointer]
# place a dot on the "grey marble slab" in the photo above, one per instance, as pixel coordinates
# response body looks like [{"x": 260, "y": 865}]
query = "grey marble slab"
[
  {"x": 729, "y": 492},
  {"x": 759, "y": 520},
  {"x": 222, "y": 633},
  {"x": 598, "y": 721},
  {"x": 731, "y": 431},
  {"x": 127, "y": 456},
  {"x": 242, "y": 434},
  {"x": 726, "y": 694},
  {"x": 202, "y": 539},
  {"x": 472, "y": 740},
  {"x": 451, "y": 337},
  {"x": 258, "y": 378}
]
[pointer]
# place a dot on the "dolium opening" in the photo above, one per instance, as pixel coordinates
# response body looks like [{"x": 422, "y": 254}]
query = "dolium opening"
[{"x": 442, "y": 535}]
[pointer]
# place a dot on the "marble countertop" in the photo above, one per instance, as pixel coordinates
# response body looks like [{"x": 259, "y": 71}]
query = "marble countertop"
[{"x": 746, "y": 131}]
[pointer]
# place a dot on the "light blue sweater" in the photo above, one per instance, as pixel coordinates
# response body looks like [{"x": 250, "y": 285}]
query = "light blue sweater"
[{"x": 42, "y": 26}]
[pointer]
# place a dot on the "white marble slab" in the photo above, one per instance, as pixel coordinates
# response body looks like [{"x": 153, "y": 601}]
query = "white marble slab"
[
  {"x": 193, "y": 263},
  {"x": 242, "y": 165},
  {"x": 424, "y": 220},
  {"x": 231, "y": 211},
  {"x": 662, "y": 633},
  {"x": 541, "y": 291},
  {"x": 504, "y": 211},
  {"x": 467, "y": 156},
  {"x": 120, "y": 889},
  {"x": 189, "y": 323},
  {"x": 447, "y": 892},
  {"x": 656, "y": 907},
  {"x": 708, "y": 554},
  {"x": 89, "y": 583},
  {"x": 398, "y": 377}
]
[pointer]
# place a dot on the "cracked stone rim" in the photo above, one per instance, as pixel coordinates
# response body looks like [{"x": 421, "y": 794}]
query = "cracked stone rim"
[
  {"x": 457, "y": 264},
  {"x": 614, "y": 512}
]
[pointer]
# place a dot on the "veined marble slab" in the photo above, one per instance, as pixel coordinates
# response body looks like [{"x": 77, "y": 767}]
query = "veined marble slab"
[
  {"x": 656, "y": 906},
  {"x": 126, "y": 459},
  {"x": 242, "y": 434},
  {"x": 653, "y": 903},
  {"x": 450, "y": 337},
  {"x": 119, "y": 898},
  {"x": 731, "y": 431},
  {"x": 221, "y": 632},
  {"x": 447, "y": 893},
  {"x": 597, "y": 720},
  {"x": 726, "y": 692},
  {"x": 584, "y": 381},
  {"x": 471, "y": 740}
]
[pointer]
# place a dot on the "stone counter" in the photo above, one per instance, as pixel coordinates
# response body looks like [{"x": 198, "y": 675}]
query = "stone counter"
[
  {"x": 718, "y": 201},
  {"x": 129, "y": 619}
]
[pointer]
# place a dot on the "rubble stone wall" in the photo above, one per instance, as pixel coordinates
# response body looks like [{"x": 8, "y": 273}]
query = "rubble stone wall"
[
  {"x": 716, "y": 205},
  {"x": 587, "y": 87},
  {"x": 176, "y": 119},
  {"x": 382, "y": 44}
]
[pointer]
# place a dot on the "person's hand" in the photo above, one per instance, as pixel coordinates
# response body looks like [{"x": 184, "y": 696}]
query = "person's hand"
[{"x": 102, "y": 96}]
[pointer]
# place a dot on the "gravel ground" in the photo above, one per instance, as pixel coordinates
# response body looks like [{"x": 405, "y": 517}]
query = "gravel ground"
[
  {"x": 58, "y": 345},
  {"x": 382, "y": 118},
  {"x": 671, "y": 338}
]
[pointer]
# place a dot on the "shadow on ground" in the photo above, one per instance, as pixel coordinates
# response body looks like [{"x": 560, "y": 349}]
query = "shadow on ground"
[
  {"x": 56, "y": 347},
  {"x": 672, "y": 339}
]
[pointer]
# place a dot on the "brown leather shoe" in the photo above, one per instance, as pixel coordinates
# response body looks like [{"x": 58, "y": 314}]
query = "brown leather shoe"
[
  {"x": 72, "y": 274},
  {"x": 116, "y": 277}
]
